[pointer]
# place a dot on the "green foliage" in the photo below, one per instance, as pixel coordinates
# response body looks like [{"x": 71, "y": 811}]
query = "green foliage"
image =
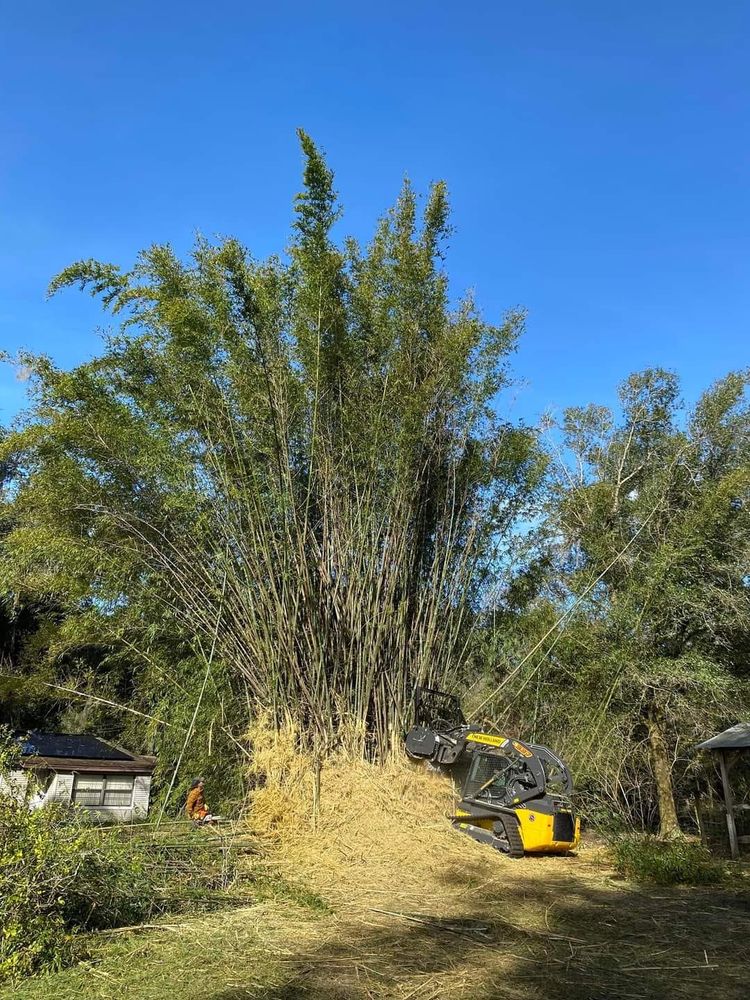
[
  {"x": 666, "y": 862},
  {"x": 60, "y": 876},
  {"x": 287, "y": 477},
  {"x": 645, "y": 564},
  {"x": 57, "y": 876}
]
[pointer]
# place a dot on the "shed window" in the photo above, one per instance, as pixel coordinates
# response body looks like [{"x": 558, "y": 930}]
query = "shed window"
[
  {"x": 118, "y": 790},
  {"x": 103, "y": 790},
  {"x": 88, "y": 789}
]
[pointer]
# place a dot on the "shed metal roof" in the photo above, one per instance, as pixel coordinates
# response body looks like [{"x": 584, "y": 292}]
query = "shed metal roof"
[
  {"x": 79, "y": 747},
  {"x": 735, "y": 738},
  {"x": 88, "y": 765}
]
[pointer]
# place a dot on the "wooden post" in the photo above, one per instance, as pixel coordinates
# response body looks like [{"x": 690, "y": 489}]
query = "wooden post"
[{"x": 729, "y": 806}]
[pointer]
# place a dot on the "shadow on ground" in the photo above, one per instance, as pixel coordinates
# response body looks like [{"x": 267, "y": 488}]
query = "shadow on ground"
[{"x": 551, "y": 938}]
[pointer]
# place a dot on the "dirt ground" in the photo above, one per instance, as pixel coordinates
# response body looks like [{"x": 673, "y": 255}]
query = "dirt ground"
[{"x": 420, "y": 912}]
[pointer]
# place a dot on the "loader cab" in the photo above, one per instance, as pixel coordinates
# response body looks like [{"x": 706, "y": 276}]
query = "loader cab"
[
  {"x": 496, "y": 777},
  {"x": 515, "y": 797},
  {"x": 487, "y": 777}
]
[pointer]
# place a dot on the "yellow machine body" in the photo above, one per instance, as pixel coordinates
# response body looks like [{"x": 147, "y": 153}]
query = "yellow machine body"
[
  {"x": 536, "y": 830},
  {"x": 537, "y": 836},
  {"x": 514, "y": 796}
]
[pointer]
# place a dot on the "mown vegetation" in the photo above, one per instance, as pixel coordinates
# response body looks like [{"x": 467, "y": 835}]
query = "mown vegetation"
[{"x": 286, "y": 486}]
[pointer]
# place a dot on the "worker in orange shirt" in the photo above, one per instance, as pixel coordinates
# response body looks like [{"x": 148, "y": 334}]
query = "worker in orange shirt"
[{"x": 195, "y": 806}]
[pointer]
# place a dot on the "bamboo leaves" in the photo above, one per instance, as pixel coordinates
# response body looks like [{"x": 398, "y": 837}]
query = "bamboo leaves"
[{"x": 300, "y": 458}]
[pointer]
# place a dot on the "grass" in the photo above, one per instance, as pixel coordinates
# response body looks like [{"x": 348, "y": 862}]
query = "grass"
[
  {"x": 268, "y": 885},
  {"x": 381, "y": 900},
  {"x": 667, "y": 862}
]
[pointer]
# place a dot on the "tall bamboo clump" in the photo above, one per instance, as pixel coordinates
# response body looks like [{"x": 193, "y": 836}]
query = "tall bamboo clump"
[{"x": 296, "y": 463}]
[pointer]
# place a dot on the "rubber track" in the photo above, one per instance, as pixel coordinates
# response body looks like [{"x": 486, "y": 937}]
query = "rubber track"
[{"x": 513, "y": 833}]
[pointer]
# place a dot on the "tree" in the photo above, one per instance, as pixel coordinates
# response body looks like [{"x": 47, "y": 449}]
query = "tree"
[
  {"x": 291, "y": 471},
  {"x": 23, "y": 623},
  {"x": 649, "y": 539}
]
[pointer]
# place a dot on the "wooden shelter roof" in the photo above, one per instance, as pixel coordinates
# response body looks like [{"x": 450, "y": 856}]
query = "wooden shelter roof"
[
  {"x": 133, "y": 765},
  {"x": 735, "y": 738}
]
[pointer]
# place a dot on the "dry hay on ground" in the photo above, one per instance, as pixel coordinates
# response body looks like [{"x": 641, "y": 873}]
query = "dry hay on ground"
[
  {"x": 373, "y": 830},
  {"x": 420, "y": 912},
  {"x": 423, "y": 911},
  {"x": 370, "y": 825}
]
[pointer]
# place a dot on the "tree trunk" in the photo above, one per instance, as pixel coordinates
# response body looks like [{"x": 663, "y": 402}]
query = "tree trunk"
[{"x": 662, "y": 771}]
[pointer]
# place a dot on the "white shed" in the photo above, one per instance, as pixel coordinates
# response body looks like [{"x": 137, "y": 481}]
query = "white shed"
[{"x": 86, "y": 771}]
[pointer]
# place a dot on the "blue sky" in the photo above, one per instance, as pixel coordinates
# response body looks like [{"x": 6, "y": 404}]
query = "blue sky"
[{"x": 597, "y": 156}]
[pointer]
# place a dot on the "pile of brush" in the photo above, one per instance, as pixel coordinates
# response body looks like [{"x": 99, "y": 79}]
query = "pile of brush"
[{"x": 354, "y": 830}]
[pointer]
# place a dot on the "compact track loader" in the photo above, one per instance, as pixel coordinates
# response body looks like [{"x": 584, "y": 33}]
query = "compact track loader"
[{"x": 515, "y": 796}]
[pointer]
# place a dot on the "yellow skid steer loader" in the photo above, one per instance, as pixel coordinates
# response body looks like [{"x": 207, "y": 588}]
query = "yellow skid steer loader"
[{"x": 515, "y": 796}]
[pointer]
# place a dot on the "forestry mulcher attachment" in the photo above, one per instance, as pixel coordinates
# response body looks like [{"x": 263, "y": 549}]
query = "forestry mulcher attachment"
[{"x": 515, "y": 796}]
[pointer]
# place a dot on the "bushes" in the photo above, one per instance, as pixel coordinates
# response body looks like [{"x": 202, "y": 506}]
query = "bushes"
[
  {"x": 58, "y": 876},
  {"x": 666, "y": 862}
]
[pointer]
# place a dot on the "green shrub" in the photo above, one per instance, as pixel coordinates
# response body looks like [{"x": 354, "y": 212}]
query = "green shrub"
[
  {"x": 666, "y": 862},
  {"x": 60, "y": 875},
  {"x": 598, "y": 814},
  {"x": 57, "y": 876}
]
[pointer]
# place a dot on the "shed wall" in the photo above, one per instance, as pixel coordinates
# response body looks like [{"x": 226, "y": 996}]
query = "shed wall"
[
  {"x": 61, "y": 790},
  {"x": 15, "y": 784}
]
